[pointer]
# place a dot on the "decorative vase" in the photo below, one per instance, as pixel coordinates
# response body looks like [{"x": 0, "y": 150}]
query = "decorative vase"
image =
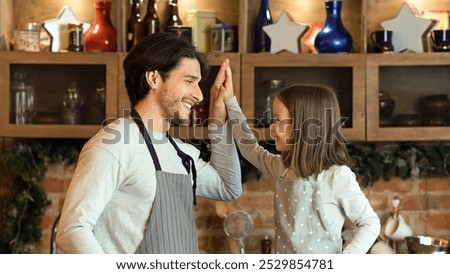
[
  {"x": 101, "y": 36},
  {"x": 264, "y": 18},
  {"x": 333, "y": 37},
  {"x": 435, "y": 110},
  {"x": 436, "y": 105}
]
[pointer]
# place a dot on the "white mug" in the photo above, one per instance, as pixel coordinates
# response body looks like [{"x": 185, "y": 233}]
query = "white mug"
[{"x": 396, "y": 229}]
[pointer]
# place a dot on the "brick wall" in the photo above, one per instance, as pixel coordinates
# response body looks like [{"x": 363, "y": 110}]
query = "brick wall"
[{"x": 425, "y": 206}]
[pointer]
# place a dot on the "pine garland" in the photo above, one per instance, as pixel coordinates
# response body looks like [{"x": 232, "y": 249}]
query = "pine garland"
[
  {"x": 404, "y": 160},
  {"x": 29, "y": 160},
  {"x": 28, "y": 201}
]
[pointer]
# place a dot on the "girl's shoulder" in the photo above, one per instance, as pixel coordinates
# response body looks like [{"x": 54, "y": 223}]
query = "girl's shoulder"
[
  {"x": 337, "y": 173},
  {"x": 336, "y": 169}
]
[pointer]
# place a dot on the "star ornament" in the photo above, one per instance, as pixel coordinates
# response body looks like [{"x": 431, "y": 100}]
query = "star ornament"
[
  {"x": 408, "y": 29},
  {"x": 284, "y": 34},
  {"x": 52, "y": 26}
]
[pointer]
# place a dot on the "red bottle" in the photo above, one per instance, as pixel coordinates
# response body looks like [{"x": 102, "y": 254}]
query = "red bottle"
[{"x": 101, "y": 36}]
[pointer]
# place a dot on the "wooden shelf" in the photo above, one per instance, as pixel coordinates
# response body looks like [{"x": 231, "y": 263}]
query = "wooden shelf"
[{"x": 357, "y": 77}]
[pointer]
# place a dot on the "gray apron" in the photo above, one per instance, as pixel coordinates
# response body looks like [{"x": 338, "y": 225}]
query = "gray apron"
[
  {"x": 301, "y": 225},
  {"x": 171, "y": 228}
]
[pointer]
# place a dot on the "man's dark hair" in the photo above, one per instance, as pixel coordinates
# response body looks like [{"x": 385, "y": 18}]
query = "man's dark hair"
[{"x": 159, "y": 51}]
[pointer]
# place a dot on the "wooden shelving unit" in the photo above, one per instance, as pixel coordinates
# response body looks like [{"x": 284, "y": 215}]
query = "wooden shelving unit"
[
  {"x": 407, "y": 78},
  {"x": 357, "y": 77},
  {"x": 345, "y": 73},
  {"x": 50, "y": 74}
]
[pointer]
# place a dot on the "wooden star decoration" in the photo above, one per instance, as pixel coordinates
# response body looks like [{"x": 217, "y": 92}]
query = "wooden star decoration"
[
  {"x": 52, "y": 26},
  {"x": 409, "y": 29},
  {"x": 284, "y": 34}
]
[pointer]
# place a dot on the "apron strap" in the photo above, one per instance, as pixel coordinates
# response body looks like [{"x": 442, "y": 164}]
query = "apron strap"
[
  {"x": 186, "y": 160},
  {"x": 137, "y": 119},
  {"x": 188, "y": 163}
]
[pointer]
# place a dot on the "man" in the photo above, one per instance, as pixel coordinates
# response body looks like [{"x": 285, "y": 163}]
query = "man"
[{"x": 134, "y": 186}]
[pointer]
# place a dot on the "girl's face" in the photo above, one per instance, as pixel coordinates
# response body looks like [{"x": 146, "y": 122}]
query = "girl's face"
[{"x": 282, "y": 127}]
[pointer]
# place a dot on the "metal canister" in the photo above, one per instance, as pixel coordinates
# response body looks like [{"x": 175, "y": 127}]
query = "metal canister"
[
  {"x": 180, "y": 31},
  {"x": 223, "y": 38},
  {"x": 75, "y": 37}
]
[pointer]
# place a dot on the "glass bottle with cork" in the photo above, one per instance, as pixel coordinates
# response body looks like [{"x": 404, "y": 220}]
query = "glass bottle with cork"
[
  {"x": 174, "y": 18},
  {"x": 174, "y": 23},
  {"x": 135, "y": 25},
  {"x": 151, "y": 19}
]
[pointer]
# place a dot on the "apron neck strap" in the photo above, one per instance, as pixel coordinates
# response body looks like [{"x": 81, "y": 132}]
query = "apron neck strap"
[
  {"x": 186, "y": 160},
  {"x": 138, "y": 120},
  {"x": 188, "y": 164}
]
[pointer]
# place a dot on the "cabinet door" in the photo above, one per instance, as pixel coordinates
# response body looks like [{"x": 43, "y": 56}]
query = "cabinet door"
[
  {"x": 52, "y": 108},
  {"x": 344, "y": 73},
  {"x": 410, "y": 80}
]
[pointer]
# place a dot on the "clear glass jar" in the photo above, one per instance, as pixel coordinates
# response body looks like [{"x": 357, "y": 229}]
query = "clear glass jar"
[
  {"x": 19, "y": 92},
  {"x": 72, "y": 102},
  {"x": 27, "y": 39}
]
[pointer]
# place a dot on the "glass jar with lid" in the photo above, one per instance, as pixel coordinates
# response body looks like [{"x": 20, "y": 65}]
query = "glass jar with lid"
[
  {"x": 27, "y": 39},
  {"x": 22, "y": 98}
]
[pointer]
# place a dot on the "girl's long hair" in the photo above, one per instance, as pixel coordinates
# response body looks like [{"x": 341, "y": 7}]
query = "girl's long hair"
[{"x": 316, "y": 142}]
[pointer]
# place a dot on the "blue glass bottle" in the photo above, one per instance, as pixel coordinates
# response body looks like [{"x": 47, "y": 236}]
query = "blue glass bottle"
[
  {"x": 262, "y": 40},
  {"x": 333, "y": 37}
]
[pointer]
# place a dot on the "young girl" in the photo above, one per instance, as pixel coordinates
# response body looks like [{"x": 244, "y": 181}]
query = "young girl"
[{"x": 315, "y": 189}]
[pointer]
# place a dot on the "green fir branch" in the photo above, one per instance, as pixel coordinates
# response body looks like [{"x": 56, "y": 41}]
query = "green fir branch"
[
  {"x": 404, "y": 160},
  {"x": 28, "y": 201},
  {"x": 28, "y": 160}
]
